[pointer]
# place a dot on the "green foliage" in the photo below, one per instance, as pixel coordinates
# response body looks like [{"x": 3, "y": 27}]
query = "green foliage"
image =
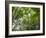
[{"x": 25, "y": 18}]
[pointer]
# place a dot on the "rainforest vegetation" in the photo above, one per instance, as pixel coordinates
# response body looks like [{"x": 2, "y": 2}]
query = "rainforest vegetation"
[{"x": 25, "y": 18}]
